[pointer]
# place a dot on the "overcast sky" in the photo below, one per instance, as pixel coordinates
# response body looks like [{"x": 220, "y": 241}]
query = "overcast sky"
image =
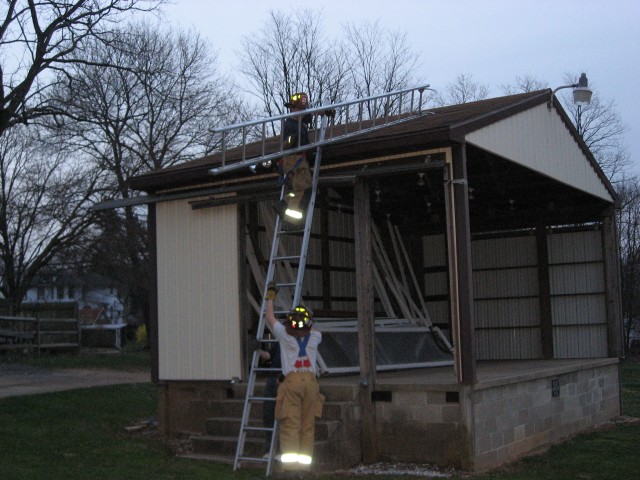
[{"x": 492, "y": 40}]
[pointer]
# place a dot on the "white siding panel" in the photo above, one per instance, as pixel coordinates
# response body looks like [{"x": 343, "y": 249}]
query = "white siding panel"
[
  {"x": 574, "y": 247},
  {"x": 584, "y": 341},
  {"x": 198, "y": 298},
  {"x": 504, "y": 252},
  {"x": 515, "y": 282},
  {"x": 521, "y": 139},
  {"x": 436, "y": 284},
  {"x": 508, "y": 312},
  {"x": 439, "y": 312},
  {"x": 508, "y": 344},
  {"x": 576, "y": 278},
  {"x": 584, "y": 309},
  {"x": 434, "y": 251}
]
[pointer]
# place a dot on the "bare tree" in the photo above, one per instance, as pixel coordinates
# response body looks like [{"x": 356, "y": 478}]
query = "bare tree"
[
  {"x": 628, "y": 219},
  {"x": 155, "y": 107},
  {"x": 289, "y": 54},
  {"x": 38, "y": 38},
  {"x": 45, "y": 200},
  {"x": 527, "y": 83},
  {"x": 602, "y": 129},
  {"x": 380, "y": 60},
  {"x": 462, "y": 90}
]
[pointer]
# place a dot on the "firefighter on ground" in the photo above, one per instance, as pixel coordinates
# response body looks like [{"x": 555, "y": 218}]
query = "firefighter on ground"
[
  {"x": 294, "y": 169},
  {"x": 299, "y": 400}
]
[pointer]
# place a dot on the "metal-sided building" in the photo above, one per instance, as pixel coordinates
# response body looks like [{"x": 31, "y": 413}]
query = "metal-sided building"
[{"x": 510, "y": 229}]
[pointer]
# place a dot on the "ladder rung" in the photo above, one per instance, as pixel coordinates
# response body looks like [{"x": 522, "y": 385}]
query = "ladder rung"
[
  {"x": 266, "y": 369},
  {"x": 258, "y": 429},
  {"x": 289, "y": 232},
  {"x": 267, "y": 340},
  {"x": 286, "y": 257},
  {"x": 262, "y": 399},
  {"x": 285, "y": 285},
  {"x": 254, "y": 459}
]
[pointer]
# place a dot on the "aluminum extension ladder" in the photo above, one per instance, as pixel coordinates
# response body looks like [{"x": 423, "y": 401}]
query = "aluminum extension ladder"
[
  {"x": 274, "y": 260},
  {"x": 357, "y": 117}
]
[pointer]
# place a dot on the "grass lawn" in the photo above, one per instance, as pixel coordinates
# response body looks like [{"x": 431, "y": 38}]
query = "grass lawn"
[{"x": 80, "y": 435}]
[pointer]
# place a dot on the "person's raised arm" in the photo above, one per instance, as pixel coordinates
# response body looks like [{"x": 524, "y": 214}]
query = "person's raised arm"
[{"x": 270, "y": 316}]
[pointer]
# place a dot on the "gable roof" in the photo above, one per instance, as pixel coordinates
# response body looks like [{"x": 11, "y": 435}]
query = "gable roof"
[{"x": 436, "y": 128}]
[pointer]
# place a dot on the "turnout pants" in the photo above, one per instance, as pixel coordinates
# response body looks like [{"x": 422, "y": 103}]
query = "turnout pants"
[
  {"x": 298, "y": 179},
  {"x": 296, "y": 407}
]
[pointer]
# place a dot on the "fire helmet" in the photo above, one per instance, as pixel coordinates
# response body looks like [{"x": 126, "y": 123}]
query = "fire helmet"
[
  {"x": 299, "y": 318},
  {"x": 298, "y": 100}
]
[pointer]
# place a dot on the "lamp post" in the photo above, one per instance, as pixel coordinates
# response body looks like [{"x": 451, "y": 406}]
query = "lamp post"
[{"x": 581, "y": 92}]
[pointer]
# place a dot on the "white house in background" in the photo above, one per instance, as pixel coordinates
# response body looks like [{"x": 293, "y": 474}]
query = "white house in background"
[{"x": 89, "y": 290}]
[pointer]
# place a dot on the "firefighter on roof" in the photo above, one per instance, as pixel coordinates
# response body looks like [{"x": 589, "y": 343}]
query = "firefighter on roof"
[{"x": 294, "y": 169}]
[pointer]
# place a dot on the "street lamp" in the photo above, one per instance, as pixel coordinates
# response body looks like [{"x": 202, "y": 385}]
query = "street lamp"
[{"x": 581, "y": 92}]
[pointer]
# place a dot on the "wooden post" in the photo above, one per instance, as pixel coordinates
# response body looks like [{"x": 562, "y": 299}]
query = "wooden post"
[
  {"x": 460, "y": 271},
  {"x": 611, "y": 258},
  {"x": 544, "y": 293},
  {"x": 366, "y": 319}
]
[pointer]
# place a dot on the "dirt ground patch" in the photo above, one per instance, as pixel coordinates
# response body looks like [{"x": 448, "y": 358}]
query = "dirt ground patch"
[{"x": 17, "y": 380}]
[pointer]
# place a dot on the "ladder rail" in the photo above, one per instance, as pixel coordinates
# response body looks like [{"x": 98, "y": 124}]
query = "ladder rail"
[
  {"x": 342, "y": 113},
  {"x": 373, "y": 104},
  {"x": 302, "y": 262},
  {"x": 275, "y": 257},
  {"x": 246, "y": 411}
]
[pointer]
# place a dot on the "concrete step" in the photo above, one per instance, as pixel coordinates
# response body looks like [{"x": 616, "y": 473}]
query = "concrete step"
[
  {"x": 214, "y": 446},
  {"x": 332, "y": 392},
  {"x": 230, "y": 427},
  {"x": 333, "y": 432},
  {"x": 232, "y": 408}
]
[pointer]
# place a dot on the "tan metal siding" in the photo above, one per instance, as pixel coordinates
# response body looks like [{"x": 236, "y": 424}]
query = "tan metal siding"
[
  {"x": 538, "y": 139},
  {"x": 198, "y": 298},
  {"x": 506, "y": 306},
  {"x": 577, "y": 294},
  {"x": 436, "y": 278}
]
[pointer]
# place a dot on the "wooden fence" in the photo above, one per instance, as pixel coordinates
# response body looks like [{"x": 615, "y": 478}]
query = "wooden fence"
[{"x": 39, "y": 333}]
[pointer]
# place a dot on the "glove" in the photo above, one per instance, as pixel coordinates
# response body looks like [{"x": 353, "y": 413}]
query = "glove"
[
  {"x": 272, "y": 291},
  {"x": 330, "y": 112}
]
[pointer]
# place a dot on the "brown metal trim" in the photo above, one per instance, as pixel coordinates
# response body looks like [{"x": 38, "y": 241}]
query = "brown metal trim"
[
  {"x": 544, "y": 293},
  {"x": 465, "y": 348},
  {"x": 152, "y": 334},
  {"x": 243, "y": 306}
]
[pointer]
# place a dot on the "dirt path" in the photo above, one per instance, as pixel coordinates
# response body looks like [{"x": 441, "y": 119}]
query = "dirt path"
[{"x": 17, "y": 380}]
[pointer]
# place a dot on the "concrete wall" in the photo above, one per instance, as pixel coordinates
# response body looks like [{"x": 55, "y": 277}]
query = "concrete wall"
[
  {"x": 524, "y": 417},
  {"x": 421, "y": 424},
  {"x": 507, "y": 419},
  {"x": 472, "y": 428}
]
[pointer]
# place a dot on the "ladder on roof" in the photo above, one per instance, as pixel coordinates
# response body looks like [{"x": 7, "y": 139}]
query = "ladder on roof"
[
  {"x": 350, "y": 119},
  {"x": 290, "y": 239}
]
